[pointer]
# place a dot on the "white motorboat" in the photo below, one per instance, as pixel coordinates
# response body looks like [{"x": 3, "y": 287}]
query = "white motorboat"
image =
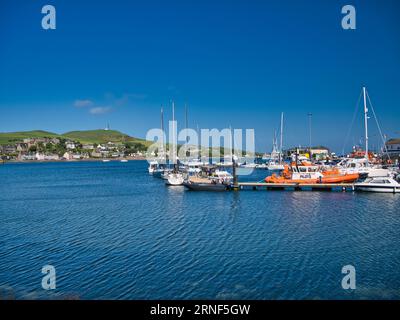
[
  {"x": 106, "y": 160},
  {"x": 274, "y": 166},
  {"x": 153, "y": 166},
  {"x": 124, "y": 160},
  {"x": 156, "y": 168},
  {"x": 378, "y": 184},
  {"x": 222, "y": 176},
  {"x": 362, "y": 167}
]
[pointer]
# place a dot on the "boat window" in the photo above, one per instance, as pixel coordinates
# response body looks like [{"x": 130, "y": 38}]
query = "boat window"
[
  {"x": 301, "y": 169},
  {"x": 379, "y": 181}
]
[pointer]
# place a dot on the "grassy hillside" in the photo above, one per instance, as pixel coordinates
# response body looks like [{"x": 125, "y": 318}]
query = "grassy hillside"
[
  {"x": 13, "y": 137},
  {"x": 88, "y": 136},
  {"x": 102, "y": 136}
]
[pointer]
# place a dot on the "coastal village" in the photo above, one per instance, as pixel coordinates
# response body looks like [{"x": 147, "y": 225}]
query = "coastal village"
[{"x": 63, "y": 149}]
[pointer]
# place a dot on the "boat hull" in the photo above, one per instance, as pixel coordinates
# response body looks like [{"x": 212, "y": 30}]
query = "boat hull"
[
  {"x": 378, "y": 189},
  {"x": 175, "y": 180},
  {"x": 206, "y": 186}
]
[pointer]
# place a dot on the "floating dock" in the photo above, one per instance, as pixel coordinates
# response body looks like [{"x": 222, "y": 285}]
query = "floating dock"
[{"x": 295, "y": 186}]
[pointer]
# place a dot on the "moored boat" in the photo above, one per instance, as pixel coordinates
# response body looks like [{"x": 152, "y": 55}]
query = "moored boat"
[
  {"x": 175, "y": 179},
  {"x": 310, "y": 175},
  {"x": 206, "y": 186},
  {"x": 153, "y": 166},
  {"x": 275, "y": 166},
  {"x": 378, "y": 184}
]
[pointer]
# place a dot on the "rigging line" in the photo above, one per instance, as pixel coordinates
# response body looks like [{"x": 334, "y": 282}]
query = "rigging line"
[
  {"x": 379, "y": 127},
  {"x": 352, "y": 122}
]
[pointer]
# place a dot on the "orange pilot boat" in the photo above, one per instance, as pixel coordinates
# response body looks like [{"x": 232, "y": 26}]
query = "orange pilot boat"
[{"x": 309, "y": 174}]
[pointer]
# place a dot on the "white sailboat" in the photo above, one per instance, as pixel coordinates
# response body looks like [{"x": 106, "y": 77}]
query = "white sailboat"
[{"x": 363, "y": 166}]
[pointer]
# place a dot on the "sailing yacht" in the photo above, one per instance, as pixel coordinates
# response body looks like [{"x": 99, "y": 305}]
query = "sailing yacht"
[
  {"x": 362, "y": 166},
  {"x": 274, "y": 163}
]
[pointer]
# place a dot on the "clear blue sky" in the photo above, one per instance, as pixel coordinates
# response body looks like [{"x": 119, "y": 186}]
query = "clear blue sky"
[{"x": 235, "y": 63}]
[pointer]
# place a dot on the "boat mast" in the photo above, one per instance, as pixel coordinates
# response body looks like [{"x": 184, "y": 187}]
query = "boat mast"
[
  {"x": 173, "y": 134},
  {"x": 281, "y": 140},
  {"x": 161, "y": 152},
  {"x": 187, "y": 136},
  {"x": 366, "y": 124}
]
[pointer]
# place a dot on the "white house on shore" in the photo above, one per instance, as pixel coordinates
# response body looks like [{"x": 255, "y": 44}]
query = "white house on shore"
[
  {"x": 393, "y": 148},
  {"x": 70, "y": 145},
  {"x": 67, "y": 156}
]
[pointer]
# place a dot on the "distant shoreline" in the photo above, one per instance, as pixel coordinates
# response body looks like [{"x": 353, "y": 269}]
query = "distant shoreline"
[{"x": 75, "y": 160}]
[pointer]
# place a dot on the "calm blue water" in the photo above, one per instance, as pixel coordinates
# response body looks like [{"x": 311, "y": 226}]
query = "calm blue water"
[{"x": 114, "y": 232}]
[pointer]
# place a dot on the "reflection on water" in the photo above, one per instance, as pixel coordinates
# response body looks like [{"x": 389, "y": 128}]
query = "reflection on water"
[{"x": 114, "y": 232}]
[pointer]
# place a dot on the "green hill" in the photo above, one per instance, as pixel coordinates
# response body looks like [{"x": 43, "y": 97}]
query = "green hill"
[
  {"x": 102, "y": 136},
  {"x": 88, "y": 136},
  {"x": 13, "y": 137}
]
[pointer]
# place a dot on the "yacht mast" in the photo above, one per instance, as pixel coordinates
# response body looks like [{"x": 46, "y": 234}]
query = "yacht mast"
[
  {"x": 162, "y": 129},
  {"x": 366, "y": 123},
  {"x": 173, "y": 134},
  {"x": 186, "y": 122},
  {"x": 187, "y": 153}
]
